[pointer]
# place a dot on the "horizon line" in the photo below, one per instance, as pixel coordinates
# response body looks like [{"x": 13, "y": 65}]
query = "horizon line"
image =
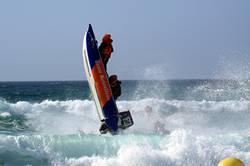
[{"x": 172, "y": 79}]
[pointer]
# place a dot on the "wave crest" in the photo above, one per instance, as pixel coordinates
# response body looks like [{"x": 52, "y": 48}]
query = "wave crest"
[{"x": 71, "y": 116}]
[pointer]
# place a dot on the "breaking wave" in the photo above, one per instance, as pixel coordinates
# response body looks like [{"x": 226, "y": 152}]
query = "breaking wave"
[
  {"x": 166, "y": 132},
  {"x": 181, "y": 147},
  {"x": 80, "y": 115}
]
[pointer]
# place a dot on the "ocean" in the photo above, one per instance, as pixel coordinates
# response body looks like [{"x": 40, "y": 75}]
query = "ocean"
[{"x": 176, "y": 123}]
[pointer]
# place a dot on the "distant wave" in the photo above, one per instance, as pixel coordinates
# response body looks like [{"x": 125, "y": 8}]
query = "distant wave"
[{"x": 198, "y": 90}]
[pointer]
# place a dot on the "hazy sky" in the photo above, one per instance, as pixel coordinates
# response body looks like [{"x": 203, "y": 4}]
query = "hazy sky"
[{"x": 165, "y": 39}]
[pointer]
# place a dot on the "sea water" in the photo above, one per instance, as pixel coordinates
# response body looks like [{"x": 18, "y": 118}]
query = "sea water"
[{"x": 176, "y": 123}]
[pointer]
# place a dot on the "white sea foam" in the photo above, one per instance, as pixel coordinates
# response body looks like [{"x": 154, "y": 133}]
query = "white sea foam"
[
  {"x": 180, "y": 147},
  {"x": 189, "y": 133},
  {"x": 72, "y": 116},
  {"x": 5, "y": 114}
]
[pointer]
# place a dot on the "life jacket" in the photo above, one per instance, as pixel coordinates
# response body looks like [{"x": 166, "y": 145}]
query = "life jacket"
[{"x": 107, "y": 50}]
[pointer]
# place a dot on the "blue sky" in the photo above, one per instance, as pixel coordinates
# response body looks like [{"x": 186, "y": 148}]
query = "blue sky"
[{"x": 164, "y": 39}]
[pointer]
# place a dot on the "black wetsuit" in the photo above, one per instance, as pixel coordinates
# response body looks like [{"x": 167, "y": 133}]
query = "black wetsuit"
[{"x": 116, "y": 88}]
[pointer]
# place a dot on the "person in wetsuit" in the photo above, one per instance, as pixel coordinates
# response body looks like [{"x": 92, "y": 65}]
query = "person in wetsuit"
[{"x": 106, "y": 49}]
